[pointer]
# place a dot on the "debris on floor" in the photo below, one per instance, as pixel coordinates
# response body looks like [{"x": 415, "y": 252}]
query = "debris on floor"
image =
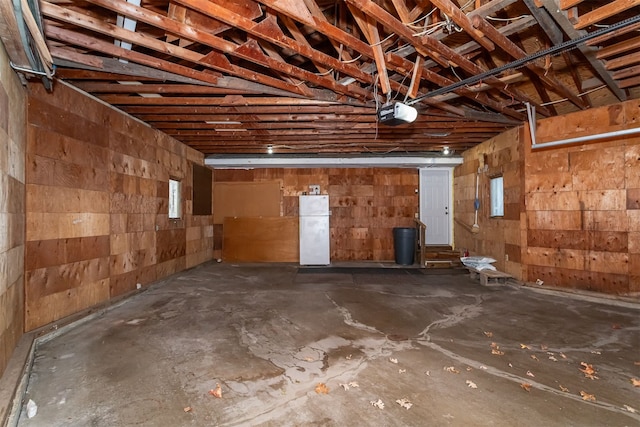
[
  {"x": 321, "y": 388},
  {"x": 587, "y": 396},
  {"x": 588, "y": 371},
  {"x": 451, "y": 369},
  {"x": 526, "y": 386},
  {"x": 405, "y": 403},
  {"x": 187, "y": 409},
  {"x": 32, "y": 409},
  {"x": 471, "y": 384},
  {"x": 217, "y": 392},
  {"x": 393, "y": 360},
  {"x": 635, "y": 382},
  {"x": 377, "y": 403}
]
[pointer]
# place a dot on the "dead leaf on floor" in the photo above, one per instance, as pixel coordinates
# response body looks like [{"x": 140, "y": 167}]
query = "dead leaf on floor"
[
  {"x": 354, "y": 384},
  {"x": 526, "y": 386},
  {"x": 563, "y": 355},
  {"x": 494, "y": 345},
  {"x": 588, "y": 371},
  {"x": 216, "y": 392},
  {"x": 402, "y": 371},
  {"x": 405, "y": 403},
  {"x": 544, "y": 347},
  {"x": 635, "y": 382},
  {"x": 469, "y": 368},
  {"x": 348, "y": 357},
  {"x": 564, "y": 389},
  {"x": 596, "y": 352},
  {"x": 344, "y": 386},
  {"x": 553, "y": 359},
  {"x": 630, "y": 409},
  {"x": 523, "y": 346},
  {"x": 451, "y": 369},
  {"x": 309, "y": 359},
  {"x": 530, "y": 374},
  {"x": 588, "y": 397},
  {"x": 471, "y": 384},
  {"x": 488, "y": 334},
  {"x": 377, "y": 403},
  {"x": 534, "y": 357},
  {"x": 427, "y": 373},
  {"x": 637, "y": 363},
  {"x": 616, "y": 326},
  {"x": 483, "y": 367},
  {"x": 321, "y": 388},
  {"x": 510, "y": 365},
  {"x": 187, "y": 409},
  {"x": 392, "y": 360},
  {"x": 497, "y": 352}
]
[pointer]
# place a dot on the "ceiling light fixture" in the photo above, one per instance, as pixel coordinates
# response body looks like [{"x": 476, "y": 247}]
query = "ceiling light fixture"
[
  {"x": 269, "y": 149},
  {"x": 445, "y": 150}
]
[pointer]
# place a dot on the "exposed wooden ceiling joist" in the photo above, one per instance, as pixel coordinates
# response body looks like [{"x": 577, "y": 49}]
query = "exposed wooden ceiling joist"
[{"x": 229, "y": 76}]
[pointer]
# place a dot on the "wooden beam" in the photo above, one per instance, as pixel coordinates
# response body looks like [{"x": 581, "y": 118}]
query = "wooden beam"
[
  {"x": 269, "y": 31},
  {"x": 630, "y": 82},
  {"x": 514, "y": 51},
  {"x": 619, "y": 48},
  {"x": 589, "y": 53},
  {"x": 568, "y": 4},
  {"x": 603, "y": 12},
  {"x": 620, "y": 31},
  {"x": 463, "y": 21},
  {"x": 10, "y": 35},
  {"x": 93, "y": 24},
  {"x": 436, "y": 49},
  {"x": 623, "y": 61},
  {"x": 249, "y": 51},
  {"x": 415, "y": 77}
]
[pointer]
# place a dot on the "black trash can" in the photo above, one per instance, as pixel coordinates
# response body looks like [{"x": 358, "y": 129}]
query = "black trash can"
[{"x": 404, "y": 245}]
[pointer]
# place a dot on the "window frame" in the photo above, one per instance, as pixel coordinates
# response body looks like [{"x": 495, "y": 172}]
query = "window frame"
[
  {"x": 175, "y": 214},
  {"x": 496, "y": 196}
]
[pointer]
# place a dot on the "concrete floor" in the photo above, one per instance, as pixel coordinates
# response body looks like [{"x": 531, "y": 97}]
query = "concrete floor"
[{"x": 269, "y": 335}]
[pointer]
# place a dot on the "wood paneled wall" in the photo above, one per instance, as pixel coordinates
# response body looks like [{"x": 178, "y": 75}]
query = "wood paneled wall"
[
  {"x": 366, "y": 203},
  {"x": 12, "y": 208},
  {"x": 498, "y": 237},
  {"x": 97, "y": 205},
  {"x": 583, "y": 203},
  {"x": 572, "y": 213}
]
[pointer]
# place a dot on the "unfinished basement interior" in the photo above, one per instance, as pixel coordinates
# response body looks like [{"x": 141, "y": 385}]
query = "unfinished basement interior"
[{"x": 319, "y": 212}]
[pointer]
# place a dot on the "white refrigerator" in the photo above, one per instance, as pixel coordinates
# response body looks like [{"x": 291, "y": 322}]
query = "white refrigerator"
[{"x": 314, "y": 230}]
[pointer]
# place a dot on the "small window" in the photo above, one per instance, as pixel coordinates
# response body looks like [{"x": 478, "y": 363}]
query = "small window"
[
  {"x": 497, "y": 196},
  {"x": 175, "y": 210}
]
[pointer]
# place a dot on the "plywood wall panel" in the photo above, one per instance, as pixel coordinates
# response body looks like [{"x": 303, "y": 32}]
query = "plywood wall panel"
[
  {"x": 267, "y": 239},
  {"x": 598, "y": 219},
  {"x": 13, "y": 142},
  {"x": 40, "y": 311},
  {"x": 98, "y": 191},
  {"x": 376, "y": 199}
]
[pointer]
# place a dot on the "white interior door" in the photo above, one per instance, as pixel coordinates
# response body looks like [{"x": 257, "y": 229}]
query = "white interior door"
[{"x": 435, "y": 205}]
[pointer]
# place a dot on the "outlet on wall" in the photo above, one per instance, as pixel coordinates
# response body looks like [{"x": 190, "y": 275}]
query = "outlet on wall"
[{"x": 506, "y": 257}]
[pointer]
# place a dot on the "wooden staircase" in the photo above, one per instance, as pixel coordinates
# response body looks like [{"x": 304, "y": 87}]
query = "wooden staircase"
[
  {"x": 441, "y": 257},
  {"x": 430, "y": 256}
]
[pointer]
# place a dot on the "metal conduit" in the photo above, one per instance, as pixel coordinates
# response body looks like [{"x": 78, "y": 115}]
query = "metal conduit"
[{"x": 585, "y": 138}]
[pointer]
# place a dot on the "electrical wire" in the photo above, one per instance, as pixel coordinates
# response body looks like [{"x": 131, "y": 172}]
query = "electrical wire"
[
  {"x": 554, "y": 50},
  {"x": 491, "y": 18},
  {"x": 579, "y": 95},
  {"x": 383, "y": 40}
]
